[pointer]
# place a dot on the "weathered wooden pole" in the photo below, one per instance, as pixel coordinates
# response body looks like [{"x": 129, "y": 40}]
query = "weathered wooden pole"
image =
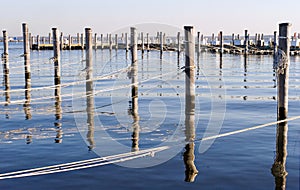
[
  {"x": 95, "y": 41},
  {"x": 69, "y": 42},
  {"x": 198, "y": 44},
  {"x": 61, "y": 39},
  {"x": 25, "y": 39},
  {"x": 126, "y": 42},
  {"x": 275, "y": 45},
  {"x": 110, "y": 42},
  {"x": 283, "y": 70},
  {"x": 221, "y": 43},
  {"x": 88, "y": 46},
  {"x": 78, "y": 38},
  {"x": 101, "y": 40},
  {"x": 50, "y": 38},
  {"x": 246, "y": 42},
  {"x": 189, "y": 47},
  {"x": 82, "y": 41},
  {"x": 161, "y": 44},
  {"x": 178, "y": 43},
  {"x": 56, "y": 49},
  {"x": 133, "y": 45},
  {"x": 148, "y": 42},
  {"x": 143, "y": 43},
  {"x": 30, "y": 41},
  {"x": 116, "y": 41},
  {"x": 5, "y": 44},
  {"x": 232, "y": 38},
  {"x": 38, "y": 42}
]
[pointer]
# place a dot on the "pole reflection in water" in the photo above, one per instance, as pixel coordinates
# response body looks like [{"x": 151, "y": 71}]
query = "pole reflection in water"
[
  {"x": 134, "y": 107},
  {"x": 89, "y": 89},
  {"x": 278, "y": 168},
  {"x": 189, "y": 155},
  {"x": 134, "y": 91},
  {"x": 6, "y": 81},
  {"x": 26, "y": 105}
]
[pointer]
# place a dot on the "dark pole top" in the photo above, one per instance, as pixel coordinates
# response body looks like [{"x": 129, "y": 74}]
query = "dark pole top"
[
  {"x": 188, "y": 27},
  {"x": 285, "y": 24}
]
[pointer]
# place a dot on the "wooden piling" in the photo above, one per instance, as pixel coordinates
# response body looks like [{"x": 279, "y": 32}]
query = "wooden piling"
[
  {"x": 275, "y": 45},
  {"x": 50, "y": 38},
  {"x": 189, "y": 47},
  {"x": 82, "y": 41},
  {"x": 198, "y": 44},
  {"x": 88, "y": 46},
  {"x": 232, "y": 38},
  {"x": 283, "y": 73},
  {"x": 148, "y": 42},
  {"x": 38, "y": 42},
  {"x": 110, "y": 42},
  {"x": 6, "y": 80},
  {"x": 25, "y": 39},
  {"x": 30, "y": 41},
  {"x": 143, "y": 43},
  {"x": 78, "y": 38},
  {"x": 95, "y": 41},
  {"x": 101, "y": 41},
  {"x": 61, "y": 39},
  {"x": 246, "y": 42},
  {"x": 126, "y": 42},
  {"x": 116, "y": 42},
  {"x": 161, "y": 44},
  {"x": 221, "y": 43},
  {"x": 133, "y": 45},
  {"x": 178, "y": 43},
  {"x": 69, "y": 42},
  {"x": 5, "y": 44},
  {"x": 56, "y": 50}
]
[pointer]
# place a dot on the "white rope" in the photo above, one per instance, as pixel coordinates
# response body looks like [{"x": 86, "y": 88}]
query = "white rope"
[
  {"x": 248, "y": 129},
  {"x": 83, "y": 164}
]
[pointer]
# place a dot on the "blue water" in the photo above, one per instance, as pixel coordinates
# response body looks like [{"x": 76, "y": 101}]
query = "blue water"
[{"x": 243, "y": 91}]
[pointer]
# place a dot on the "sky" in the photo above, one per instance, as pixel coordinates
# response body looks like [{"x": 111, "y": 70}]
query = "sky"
[{"x": 109, "y": 16}]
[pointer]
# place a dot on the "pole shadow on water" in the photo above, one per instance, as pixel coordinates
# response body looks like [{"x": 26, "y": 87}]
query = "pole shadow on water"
[{"x": 6, "y": 81}]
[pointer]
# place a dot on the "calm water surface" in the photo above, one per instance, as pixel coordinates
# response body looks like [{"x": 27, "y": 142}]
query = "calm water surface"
[{"x": 46, "y": 125}]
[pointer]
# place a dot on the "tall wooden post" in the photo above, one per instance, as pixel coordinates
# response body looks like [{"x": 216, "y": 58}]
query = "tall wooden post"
[
  {"x": 5, "y": 45},
  {"x": 275, "y": 45},
  {"x": 38, "y": 42},
  {"x": 198, "y": 44},
  {"x": 61, "y": 41},
  {"x": 148, "y": 42},
  {"x": 56, "y": 49},
  {"x": 116, "y": 42},
  {"x": 26, "y": 39},
  {"x": 143, "y": 43},
  {"x": 283, "y": 73},
  {"x": 133, "y": 44},
  {"x": 232, "y": 38},
  {"x": 126, "y": 42},
  {"x": 82, "y": 41},
  {"x": 221, "y": 43},
  {"x": 101, "y": 40},
  {"x": 110, "y": 42},
  {"x": 178, "y": 43},
  {"x": 30, "y": 40},
  {"x": 50, "y": 38},
  {"x": 78, "y": 38},
  {"x": 95, "y": 41},
  {"x": 246, "y": 42},
  {"x": 69, "y": 42},
  {"x": 161, "y": 44},
  {"x": 88, "y": 46},
  {"x": 189, "y": 47}
]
